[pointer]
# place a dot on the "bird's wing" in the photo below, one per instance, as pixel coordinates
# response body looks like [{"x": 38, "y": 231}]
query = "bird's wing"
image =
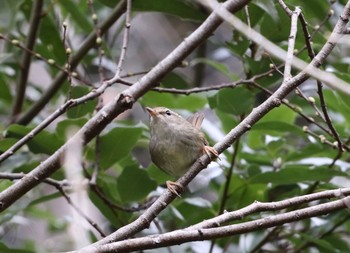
[{"x": 196, "y": 119}]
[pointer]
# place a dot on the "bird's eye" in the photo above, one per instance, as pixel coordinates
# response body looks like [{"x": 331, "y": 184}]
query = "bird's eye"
[{"x": 168, "y": 113}]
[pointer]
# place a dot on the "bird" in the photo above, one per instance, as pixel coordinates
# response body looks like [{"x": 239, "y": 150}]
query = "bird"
[{"x": 176, "y": 143}]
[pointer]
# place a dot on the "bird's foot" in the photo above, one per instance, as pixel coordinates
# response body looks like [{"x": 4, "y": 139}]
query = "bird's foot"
[
  {"x": 210, "y": 151},
  {"x": 172, "y": 187}
]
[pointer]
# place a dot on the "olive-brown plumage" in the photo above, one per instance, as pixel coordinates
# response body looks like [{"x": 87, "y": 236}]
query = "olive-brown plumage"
[{"x": 176, "y": 143}]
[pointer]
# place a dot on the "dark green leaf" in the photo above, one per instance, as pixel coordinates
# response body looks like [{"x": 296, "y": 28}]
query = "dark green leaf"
[
  {"x": 277, "y": 128},
  {"x": 173, "y": 80},
  {"x": 269, "y": 7},
  {"x": 117, "y": 144},
  {"x": 182, "y": 9},
  {"x": 82, "y": 109},
  {"x": 6, "y": 143},
  {"x": 45, "y": 198},
  {"x": 296, "y": 174},
  {"x": 44, "y": 142},
  {"x": 77, "y": 15},
  {"x": 134, "y": 184},
  {"x": 236, "y": 101},
  {"x": 221, "y": 67},
  {"x": 191, "y": 103},
  {"x": 64, "y": 126}
]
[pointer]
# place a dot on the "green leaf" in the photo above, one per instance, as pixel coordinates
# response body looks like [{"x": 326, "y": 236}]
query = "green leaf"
[
  {"x": 6, "y": 143},
  {"x": 296, "y": 174},
  {"x": 134, "y": 184},
  {"x": 338, "y": 103},
  {"x": 173, "y": 80},
  {"x": 246, "y": 194},
  {"x": 275, "y": 27},
  {"x": 116, "y": 218},
  {"x": 4, "y": 248},
  {"x": 64, "y": 125},
  {"x": 268, "y": 7},
  {"x": 117, "y": 144},
  {"x": 5, "y": 94},
  {"x": 157, "y": 174},
  {"x": 44, "y": 142},
  {"x": 182, "y": 9},
  {"x": 51, "y": 45},
  {"x": 309, "y": 151},
  {"x": 277, "y": 128},
  {"x": 45, "y": 198},
  {"x": 76, "y": 14},
  {"x": 238, "y": 45},
  {"x": 322, "y": 244},
  {"x": 81, "y": 110},
  {"x": 257, "y": 158},
  {"x": 237, "y": 101},
  {"x": 221, "y": 67},
  {"x": 197, "y": 201},
  {"x": 282, "y": 114},
  {"x": 191, "y": 103}
]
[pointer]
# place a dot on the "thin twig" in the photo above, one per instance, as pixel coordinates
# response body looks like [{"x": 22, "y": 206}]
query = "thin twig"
[{"x": 291, "y": 42}]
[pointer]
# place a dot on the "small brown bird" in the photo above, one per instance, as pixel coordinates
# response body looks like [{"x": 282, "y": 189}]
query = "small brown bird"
[{"x": 176, "y": 143}]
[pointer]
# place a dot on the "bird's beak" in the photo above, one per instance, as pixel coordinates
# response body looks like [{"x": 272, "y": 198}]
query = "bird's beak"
[{"x": 151, "y": 111}]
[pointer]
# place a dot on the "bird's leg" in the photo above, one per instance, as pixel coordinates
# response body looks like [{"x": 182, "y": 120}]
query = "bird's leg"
[
  {"x": 211, "y": 151},
  {"x": 172, "y": 185}
]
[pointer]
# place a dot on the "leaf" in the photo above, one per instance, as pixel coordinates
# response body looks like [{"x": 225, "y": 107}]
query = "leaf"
[
  {"x": 44, "y": 142},
  {"x": 6, "y": 143},
  {"x": 268, "y": 7},
  {"x": 4, "y": 248},
  {"x": 173, "y": 80},
  {"x": 117, "y": 144},
  {"x": 117, "y": 219},
  {"x": 309, "y": 151},
  {"x": 82, "y": 109},
  {"x": 51, "y": 45},
  {"x": 277, "y": 128},
  {"x": 64, "y": 125},
  {"x": 197, "y": 201},
  {"x": 182, "y": 9},
  {"x": 157, "y": 174},
  {"x": 191, "y": 103},
  {"x": 246, "y": 194},
  {"x": 134, "y": 184},
  {"x": 76, "y": 14},
  {"x": 237, "y": 101},
  {"x": 45, "y": 198},
  {"x": 176, "y": 213},
  {"x": 5, "y": 94},
  {"x": 221, "y": 67},
  {"x": 323, "y": 244},
  {"x": 296, "y": 174}
]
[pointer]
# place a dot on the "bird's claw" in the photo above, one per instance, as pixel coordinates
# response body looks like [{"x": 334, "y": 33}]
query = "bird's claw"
[{"x": 171, "y": 187}]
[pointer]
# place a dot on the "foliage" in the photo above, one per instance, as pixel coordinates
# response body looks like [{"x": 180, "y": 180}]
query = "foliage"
[{"x": 289, "y": 152}]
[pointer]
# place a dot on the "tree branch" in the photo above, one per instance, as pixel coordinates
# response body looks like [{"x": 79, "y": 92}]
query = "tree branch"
[{"x": 181, "y": 236}]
